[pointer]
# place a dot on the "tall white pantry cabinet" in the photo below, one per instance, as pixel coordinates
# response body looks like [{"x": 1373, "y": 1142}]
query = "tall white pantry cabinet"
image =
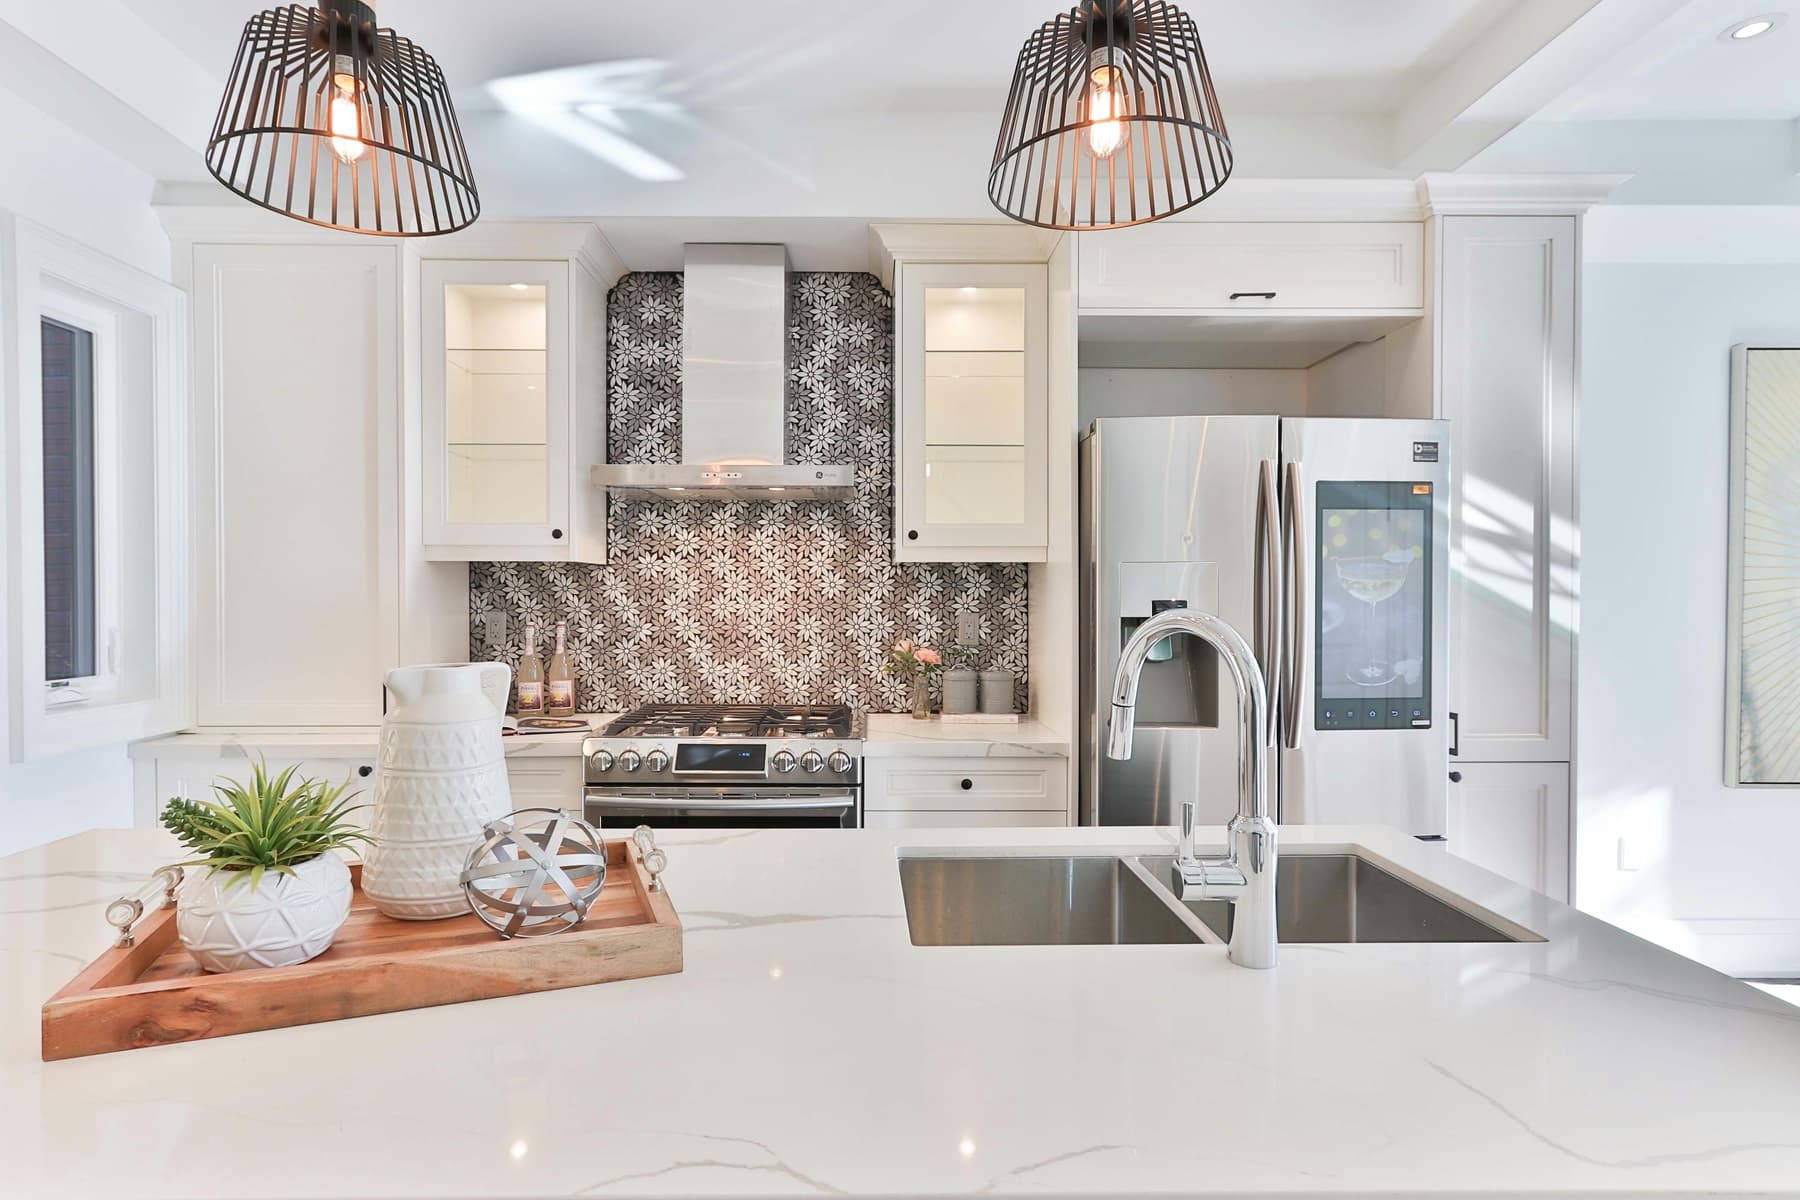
[
  {"x": 313, "y": 570},
  {"x": 1506, "y": 339}
]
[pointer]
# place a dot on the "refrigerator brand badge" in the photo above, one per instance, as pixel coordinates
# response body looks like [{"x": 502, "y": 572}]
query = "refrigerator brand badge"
[{"x": 1425, "y": 451}]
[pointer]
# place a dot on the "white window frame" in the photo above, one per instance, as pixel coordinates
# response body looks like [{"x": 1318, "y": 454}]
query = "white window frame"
[
  {"x": 102, "y": 323},
  {"x": 44, "y": 274}
]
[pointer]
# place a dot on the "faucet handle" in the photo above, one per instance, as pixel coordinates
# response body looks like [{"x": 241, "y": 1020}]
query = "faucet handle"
[{"x": 1189, "y": 811}]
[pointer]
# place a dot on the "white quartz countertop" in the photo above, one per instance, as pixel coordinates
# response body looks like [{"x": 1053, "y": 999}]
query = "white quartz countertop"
[
  {"x": 808, "y": 1047},
  {"x": 895, "y": 735},
  {"x": 888, "y": 734}
]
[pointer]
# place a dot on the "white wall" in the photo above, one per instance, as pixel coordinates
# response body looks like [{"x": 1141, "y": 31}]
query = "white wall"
[
  {"x": 1663, "y": 847},
  {"x": 61, "y": 180}
]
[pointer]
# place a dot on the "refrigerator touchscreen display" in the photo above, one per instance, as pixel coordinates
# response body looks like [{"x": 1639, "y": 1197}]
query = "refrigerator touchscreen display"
[{"x": 1372, "y": 606}]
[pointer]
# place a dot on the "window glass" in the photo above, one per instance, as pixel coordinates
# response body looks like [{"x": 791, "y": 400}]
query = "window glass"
[{"x": 68, "y": 470}]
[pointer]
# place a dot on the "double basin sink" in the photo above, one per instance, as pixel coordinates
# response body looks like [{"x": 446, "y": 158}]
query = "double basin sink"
[{"x": 1094, "y": 900}]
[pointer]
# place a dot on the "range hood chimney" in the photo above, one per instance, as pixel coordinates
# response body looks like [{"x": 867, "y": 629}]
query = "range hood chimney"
[{"x": 733, "y": 390}]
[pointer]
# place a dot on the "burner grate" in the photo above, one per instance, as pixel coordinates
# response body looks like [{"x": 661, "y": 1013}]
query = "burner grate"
[{"x": 735, "y": 720}]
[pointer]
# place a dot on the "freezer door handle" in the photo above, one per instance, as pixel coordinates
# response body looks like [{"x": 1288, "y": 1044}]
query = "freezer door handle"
[
  {"x": 1268, "y": 591},
  {"x": 1294, "y": 669},
  {"x": 1455, "y": 736}
]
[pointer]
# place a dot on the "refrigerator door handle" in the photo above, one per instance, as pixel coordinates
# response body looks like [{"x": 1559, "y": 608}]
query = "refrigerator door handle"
[
  {"x": 1267, "y": 605},
  {"x": 1295, "y": 666}
]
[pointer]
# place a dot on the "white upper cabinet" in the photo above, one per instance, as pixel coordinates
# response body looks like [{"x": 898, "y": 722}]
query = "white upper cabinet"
[
  {"x": 1507, "y": 383},
  {"x": 1232, "y": 266},
  {"x": 296, "y": 427},
  {"x": 972, "y": 414},
  {"x": 511, "y": 420}
]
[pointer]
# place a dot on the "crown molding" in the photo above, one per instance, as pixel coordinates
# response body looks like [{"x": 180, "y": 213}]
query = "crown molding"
[
  {"x": 577, "y": 241},
  {"x": 214, "y": 220},
  {"x": 1308, "y": 200},
  {"x": 956, "y": 242},
  {"x": 1443, "y": 194}
]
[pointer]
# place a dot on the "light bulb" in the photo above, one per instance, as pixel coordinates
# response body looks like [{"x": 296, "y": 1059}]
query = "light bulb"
[
  {"x": 345, "y": 119},
  {"x": 1106, "y": 104}
]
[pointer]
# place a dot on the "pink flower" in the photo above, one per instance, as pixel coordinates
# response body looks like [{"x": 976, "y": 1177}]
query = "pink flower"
[
  {"x": 903, "y": 646},
  {"x": 928, "y": 656}
]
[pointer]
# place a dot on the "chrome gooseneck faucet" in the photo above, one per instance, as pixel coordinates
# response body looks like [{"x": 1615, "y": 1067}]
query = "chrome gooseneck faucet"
[{"x": 1246, "y": 875}]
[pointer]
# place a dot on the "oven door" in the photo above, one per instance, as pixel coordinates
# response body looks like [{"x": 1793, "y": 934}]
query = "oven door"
[{"x": 722, "y": 807}]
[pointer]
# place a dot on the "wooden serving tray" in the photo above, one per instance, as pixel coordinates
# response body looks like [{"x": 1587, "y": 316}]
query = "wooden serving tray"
[{"x": 153, "y": 992}]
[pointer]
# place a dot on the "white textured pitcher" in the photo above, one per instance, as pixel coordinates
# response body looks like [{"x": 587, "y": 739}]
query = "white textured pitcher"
[{"x": 442, "y": 777}]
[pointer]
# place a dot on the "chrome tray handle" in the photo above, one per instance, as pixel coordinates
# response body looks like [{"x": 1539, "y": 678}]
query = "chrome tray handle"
[
  {"x": 655, "y": 861},
  {"x": 154, "y": 893}
]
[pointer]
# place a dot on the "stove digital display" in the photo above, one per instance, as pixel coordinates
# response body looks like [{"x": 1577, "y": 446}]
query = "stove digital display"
[{"x": 732, "y": 760}]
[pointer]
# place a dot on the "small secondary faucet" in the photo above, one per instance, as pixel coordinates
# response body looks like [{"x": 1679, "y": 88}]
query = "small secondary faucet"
[{"x": 1246, "y": 875}]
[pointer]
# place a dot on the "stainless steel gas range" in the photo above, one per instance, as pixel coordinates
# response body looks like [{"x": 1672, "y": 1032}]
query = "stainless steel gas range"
[{"x": 731, "y": 766}]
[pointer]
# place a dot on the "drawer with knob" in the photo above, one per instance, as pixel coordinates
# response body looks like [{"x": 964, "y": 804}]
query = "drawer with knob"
[{"x": 974, "y": 784}]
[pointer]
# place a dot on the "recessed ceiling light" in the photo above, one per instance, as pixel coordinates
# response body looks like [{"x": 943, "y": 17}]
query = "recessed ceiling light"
[
  {"x": 1755, "y": 27},
  {"x": 518, "y": 287}
]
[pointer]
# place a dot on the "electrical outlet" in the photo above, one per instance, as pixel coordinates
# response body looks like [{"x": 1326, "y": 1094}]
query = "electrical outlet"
[
  {"x": 493, "y": 627},
  {"x": 968, "y": 627},
  {"x": 1631, "y": 855}
]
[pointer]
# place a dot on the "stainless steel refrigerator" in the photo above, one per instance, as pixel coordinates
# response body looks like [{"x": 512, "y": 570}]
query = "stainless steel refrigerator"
[{"x": 1325, "y": 543}]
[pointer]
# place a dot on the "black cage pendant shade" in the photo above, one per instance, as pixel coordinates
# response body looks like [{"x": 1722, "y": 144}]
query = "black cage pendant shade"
[
  {"x": 1112, "y": 120},
  {"x": 329, "y": 119}
]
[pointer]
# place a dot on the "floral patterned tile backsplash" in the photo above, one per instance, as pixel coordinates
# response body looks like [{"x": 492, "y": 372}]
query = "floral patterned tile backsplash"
[{"x": 791, "y": 602}]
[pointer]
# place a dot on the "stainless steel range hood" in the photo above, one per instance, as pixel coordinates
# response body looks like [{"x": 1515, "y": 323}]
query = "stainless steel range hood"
[{"x": 733, "y": 390}]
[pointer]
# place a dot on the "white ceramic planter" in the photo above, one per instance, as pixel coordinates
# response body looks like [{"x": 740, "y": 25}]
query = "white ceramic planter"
[{"x": 227, "y": 925}]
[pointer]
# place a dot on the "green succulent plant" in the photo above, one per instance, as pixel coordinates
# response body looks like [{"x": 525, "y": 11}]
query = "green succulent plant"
[{"x": 274, "y": 822}]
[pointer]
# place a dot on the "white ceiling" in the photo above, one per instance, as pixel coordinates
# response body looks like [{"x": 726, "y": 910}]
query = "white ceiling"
[
  {"x": 1682, "y": 70},
  {"x": 1278, "y": 56}
]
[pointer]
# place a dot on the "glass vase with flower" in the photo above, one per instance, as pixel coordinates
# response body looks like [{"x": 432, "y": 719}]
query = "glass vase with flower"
[{"x": 914, "y": 663}]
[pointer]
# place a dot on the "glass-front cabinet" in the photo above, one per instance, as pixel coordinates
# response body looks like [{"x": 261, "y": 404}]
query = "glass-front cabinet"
[
  {"x": 972, "y": 395},
  {"x": 502, "y": 473}
]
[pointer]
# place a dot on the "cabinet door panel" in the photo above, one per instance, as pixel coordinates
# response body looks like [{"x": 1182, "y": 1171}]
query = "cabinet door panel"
[
  {"x": 495, "y": 386},
  {"x": 1232, "y": 266},
  {"x": 298, "y": 548},
  {"x": 972, "y": 420},
  {"x": 1508, "y": 382},
  {"x": 1513, "y": 819}
]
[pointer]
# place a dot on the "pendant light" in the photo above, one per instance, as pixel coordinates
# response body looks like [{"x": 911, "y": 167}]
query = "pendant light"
[
  {"x": 1112, "y": 120},
  {"x": 328, "y": 119}
]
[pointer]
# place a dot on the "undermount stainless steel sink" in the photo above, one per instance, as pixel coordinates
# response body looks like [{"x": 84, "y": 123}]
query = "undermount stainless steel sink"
[
  {"x": 1093, "y": 900},
  {"x": 1331, "y": 898},
  {"x": 1071, "y": 901}
]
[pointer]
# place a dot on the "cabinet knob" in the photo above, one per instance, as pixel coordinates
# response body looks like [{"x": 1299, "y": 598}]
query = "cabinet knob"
[
  {"x": 912, "y": 535},
  {"x": 557, "y": 534},
  {"x": 365, "y": 771},
  {"x": 1456, "y": 777},
  {"x": 968, "y": 785}
]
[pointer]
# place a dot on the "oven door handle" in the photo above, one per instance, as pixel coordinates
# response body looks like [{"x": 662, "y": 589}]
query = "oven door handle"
[{"x": 613, "y": 800}]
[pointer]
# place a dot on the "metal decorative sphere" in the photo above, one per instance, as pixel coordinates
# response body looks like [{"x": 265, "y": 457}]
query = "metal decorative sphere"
[{"x": 536, "y": 871}]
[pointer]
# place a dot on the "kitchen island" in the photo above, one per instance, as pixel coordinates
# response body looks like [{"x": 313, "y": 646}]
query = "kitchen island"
[{"x": 809, "y": 1047}]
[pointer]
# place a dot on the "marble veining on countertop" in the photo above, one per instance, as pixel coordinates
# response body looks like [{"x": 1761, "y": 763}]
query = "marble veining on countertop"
[{"x": 809, "y": 1048}]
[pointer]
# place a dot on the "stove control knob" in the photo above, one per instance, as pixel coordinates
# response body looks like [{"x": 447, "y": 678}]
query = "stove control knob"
[
  {"x": 838, "y": 762},
  {"x": 811, "y": 763},
  {"x": 783, "y": 761},
  {"x": 629, "y": 761},
  {"x": 602, "y": 760},
  {"x": 656, "y": 760}
]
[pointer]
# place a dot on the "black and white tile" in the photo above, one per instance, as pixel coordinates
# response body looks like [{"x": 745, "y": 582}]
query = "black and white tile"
[{"x": 793, "y": 601}]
